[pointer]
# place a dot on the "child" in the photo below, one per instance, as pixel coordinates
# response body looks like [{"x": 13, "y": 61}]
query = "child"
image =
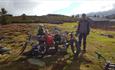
[
  {"x": 57, "y": 39},
  {"x": 40, "y": 30},
  {"x": 72, "y": 41}
]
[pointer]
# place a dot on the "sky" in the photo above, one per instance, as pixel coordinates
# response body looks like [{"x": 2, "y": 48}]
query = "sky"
[{"x": 64, "y": 7}]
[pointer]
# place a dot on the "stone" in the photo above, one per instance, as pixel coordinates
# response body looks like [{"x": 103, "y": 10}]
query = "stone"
[
  {"x": 110, "y": 36},
  {"x": 66, "y": 56},
  {"x": 107, "y": 35},
  {"x": 1, "y": 37},
  {"x": 37, "y": 62},
  {"x": 4, "y": 50}
]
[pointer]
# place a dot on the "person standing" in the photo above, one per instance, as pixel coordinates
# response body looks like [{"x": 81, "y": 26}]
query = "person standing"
[{"x": 83, "y": 31}]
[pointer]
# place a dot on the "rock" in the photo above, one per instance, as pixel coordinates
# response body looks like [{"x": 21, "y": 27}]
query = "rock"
[
  {"x": 62, "y": 49},
  {"x": 1, "y": 37},
  {"x": 107, "y": 35},
  {"x": 110, "y": 36},
  {"x": 87, "y": 66},
  {"x": 4, "y": 50},
  {"x": 37, "y": 62},
  {"x": 66, "y": 56},
  {"x": 47, "y": 56}
]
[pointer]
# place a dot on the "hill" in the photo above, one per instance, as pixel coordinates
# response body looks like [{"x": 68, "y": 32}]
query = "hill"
[
  {"x": 42, "y": 19},
  {"x": 103, "y": 13}
]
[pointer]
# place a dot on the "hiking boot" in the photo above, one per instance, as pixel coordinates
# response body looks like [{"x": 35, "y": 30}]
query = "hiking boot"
[
  {"x": 84, "y": 51},
  {"x": 75, "y": 57}
]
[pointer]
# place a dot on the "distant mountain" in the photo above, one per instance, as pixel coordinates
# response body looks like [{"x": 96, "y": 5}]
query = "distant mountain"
[
  {"x": 57, "y": 15},
  {"x": 112, "y": 16},
  {"x": 104, "y": 13}
]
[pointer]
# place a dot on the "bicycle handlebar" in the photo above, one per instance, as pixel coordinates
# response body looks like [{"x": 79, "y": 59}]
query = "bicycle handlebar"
[{"x": 100, "y": 56}]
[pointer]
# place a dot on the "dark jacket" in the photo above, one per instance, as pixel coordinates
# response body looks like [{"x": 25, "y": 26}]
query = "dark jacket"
[
  {"x": 40, "y": 32},
  {"x": 83, "y": 26}
]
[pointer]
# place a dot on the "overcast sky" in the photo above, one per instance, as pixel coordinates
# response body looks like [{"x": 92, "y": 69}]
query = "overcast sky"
[{"x": 65, "y": 7}]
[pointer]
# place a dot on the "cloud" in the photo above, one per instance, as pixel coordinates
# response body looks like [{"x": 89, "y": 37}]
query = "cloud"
[
  {"x": 23, "y": 6},
  {"x": 93, "y": 6},
  {"x": 66, "y": 7},
  {"x": 18, "y": 7},
  {"x": 46, "y": 7}
]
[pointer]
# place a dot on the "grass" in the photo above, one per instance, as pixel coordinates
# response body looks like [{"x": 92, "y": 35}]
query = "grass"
[
  {"x": 87, "y": 61},
  {"x": 96, "y": 42}
]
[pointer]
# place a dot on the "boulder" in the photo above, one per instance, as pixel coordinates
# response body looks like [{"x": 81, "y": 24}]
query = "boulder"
[
  {"x": 2, "y": 37},
  {"x": 4, "y": 50},
  {"x": 107, "y": 35},
  {"x": 110, "y": 36},
  {"x": 37, "y": 62}
]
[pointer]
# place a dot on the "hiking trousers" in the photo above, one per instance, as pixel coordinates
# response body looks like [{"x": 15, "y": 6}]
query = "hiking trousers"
[
  {"x": 72, "y": 45},
  {"x": 82, "y": 36}
]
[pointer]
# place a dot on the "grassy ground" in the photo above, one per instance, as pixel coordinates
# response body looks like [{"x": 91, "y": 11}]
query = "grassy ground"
[{"x": 15, "y": 35}]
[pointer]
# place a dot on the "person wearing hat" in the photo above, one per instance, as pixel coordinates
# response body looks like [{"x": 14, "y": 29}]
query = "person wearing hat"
[{"x": 41, "y": 30}]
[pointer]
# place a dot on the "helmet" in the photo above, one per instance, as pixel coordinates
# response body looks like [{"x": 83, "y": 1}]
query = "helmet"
[{"x": 41, "y": 25}]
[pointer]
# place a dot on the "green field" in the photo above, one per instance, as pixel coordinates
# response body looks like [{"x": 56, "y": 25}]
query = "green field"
[{"x": 16, "y": 34}]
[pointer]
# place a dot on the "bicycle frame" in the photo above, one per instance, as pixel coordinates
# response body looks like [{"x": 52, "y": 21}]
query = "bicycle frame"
[{"x": 108, "y": 65}]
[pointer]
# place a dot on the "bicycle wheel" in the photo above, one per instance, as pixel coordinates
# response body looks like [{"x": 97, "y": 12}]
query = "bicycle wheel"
[{"x": 40, "y": 51}]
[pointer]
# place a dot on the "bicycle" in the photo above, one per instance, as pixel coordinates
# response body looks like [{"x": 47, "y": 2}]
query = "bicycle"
[
  {"x": 107, "y": 64},
  {"x": 40, "y": 49}
]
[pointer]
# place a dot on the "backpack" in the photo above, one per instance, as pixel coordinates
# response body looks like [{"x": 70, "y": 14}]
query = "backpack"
[
  {"x": 57, "y": 38},
  {"x": 49, "y": 39}
]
